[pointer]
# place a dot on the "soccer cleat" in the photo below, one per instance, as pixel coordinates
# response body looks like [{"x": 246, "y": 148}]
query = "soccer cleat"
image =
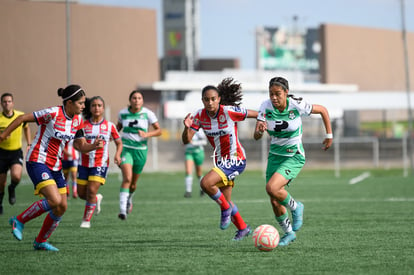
[
  {"x": 297, "y": 216},
  {"x": 85, "y": 224},
  {"x": 12, "y": 195},
  {"x": 122, "y": 216},
  {"x": 187, "y": 195},
  {"x": 287, "y": 238},
  {"x": 241, "y": 234},
  {"x": 99, "y": 198},
  {"x": 225, "y": 218},
  {"x": 44, "y": 246},
  {"x": 17, "y": 228},
  {"x": 129, "y": 207}
]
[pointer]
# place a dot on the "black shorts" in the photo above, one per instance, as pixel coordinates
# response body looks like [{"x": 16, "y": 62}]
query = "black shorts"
[{"x": 8, "y": 158}]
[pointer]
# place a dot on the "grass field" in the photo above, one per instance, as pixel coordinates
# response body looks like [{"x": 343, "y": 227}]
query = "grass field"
[{"x": 363, "y": 228}]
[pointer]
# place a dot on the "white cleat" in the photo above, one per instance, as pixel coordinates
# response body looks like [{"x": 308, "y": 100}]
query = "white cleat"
[
  {"x": 99, "y": 198},
  {"x": 85, "y": 224}
]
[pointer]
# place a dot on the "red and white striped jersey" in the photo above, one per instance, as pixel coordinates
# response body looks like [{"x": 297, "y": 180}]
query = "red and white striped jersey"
[
  {"x": 73, "y": 154},
  {"x": 55, "y": 130},
  {"x": 221, "y": 131},
  {"x": 107, "y": 131}
]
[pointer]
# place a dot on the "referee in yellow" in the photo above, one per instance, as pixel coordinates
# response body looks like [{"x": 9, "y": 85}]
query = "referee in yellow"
[{"x": 11, "y": 153}]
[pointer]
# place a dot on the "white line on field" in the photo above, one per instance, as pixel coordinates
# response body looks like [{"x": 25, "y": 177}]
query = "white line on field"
[{"x": 360, "y": 178}]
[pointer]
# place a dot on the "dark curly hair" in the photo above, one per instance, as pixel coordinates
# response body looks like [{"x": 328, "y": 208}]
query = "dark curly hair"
[{"x": 229, "y": 90}]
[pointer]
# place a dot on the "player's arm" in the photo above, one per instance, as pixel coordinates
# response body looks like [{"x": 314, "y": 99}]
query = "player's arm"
[
  {"x": 27, "y": 134},
  {"x": 15, "y": 123},
  {"x": 260, "y": 128},
  {"x": 154, "y": 133},
  {"x": 252, "y": 113},
  {"x": 117, "y": 157},
  {"x": 83, "y": 146},
  {"x": 119, "y": 126},
  {"x": 188, "y": 133},
  {"x": 319, "y": 109}
]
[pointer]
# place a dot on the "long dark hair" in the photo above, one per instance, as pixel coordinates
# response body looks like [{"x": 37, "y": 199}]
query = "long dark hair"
[{"x": 86, "y": 113}]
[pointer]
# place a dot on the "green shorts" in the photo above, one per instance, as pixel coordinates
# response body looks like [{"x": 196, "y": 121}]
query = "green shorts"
[
  {"x": 195, "y": 155},
  {"x": 288, "y": 167},
  {"x": 137, "y": 158}
]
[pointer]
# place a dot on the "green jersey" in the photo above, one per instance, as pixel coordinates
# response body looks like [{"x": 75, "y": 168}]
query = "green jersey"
[
  {"x": 132, "y": 123},
  {"x": 285, "y": 128}
]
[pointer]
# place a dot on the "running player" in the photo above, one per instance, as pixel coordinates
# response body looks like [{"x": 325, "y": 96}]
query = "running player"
[
  {"x": 280, "y": 116},
  {"x": 93, "y": 166},
  {"x": 57, "y": 126},
  {"x": 11, "y": 153},
  {"x": 219, "y": 119},
  {"x": 194, "y": 156},
  {"x": 135, "y": 121}
]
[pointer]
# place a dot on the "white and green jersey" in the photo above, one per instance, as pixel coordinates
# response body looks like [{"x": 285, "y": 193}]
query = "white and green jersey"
[
  {"x": 285, "y": 128},
  {"x": 131, "y": 123}
]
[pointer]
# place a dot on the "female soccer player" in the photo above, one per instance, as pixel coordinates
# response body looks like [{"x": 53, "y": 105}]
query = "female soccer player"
[
  {"x": 194, "y": 156},
  {"x": 93, "y": 166},
  {"x": 219, "y": 119},
  {"x": 280, "y": 116},
  {"x": 135, "y": 121},
  {"x": 57, "y": 126}
]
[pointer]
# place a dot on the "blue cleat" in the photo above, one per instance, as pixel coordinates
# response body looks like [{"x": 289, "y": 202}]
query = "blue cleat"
[
  {"x": 225, "y": 218},
  {"x": 297, "y": 216},
  {"x": 241, "y": 234},
  {"x": 17, "y": 228},
  {"x": 287, "y": 238},
  {"x": 44, "y": 246}
]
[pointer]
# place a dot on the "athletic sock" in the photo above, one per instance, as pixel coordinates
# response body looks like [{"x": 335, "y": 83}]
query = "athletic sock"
[
  {"x": 1, "y": 198},
  {"x": 188, "y": 183},
  {"x": 220, "y": 200},
  {"x": 236, "y": 218},
  {"x": 14, "y": 184},
  {"x": 35, "y": 210},
  {"x": 284, "y": 222},
  {"x": 74, "y": 187},
  {"x": 123, "y": 198},
  {"x": 289, "y": 202},
  {"x": 89, "y": 209},
  {"x": 50, "y": 224}
]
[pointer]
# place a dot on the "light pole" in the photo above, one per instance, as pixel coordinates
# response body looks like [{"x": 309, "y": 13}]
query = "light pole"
[{"x": 407, "y": 86}]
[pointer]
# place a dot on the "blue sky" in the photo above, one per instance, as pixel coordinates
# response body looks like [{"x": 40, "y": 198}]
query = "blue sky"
[{"x": 227, "y": 26}]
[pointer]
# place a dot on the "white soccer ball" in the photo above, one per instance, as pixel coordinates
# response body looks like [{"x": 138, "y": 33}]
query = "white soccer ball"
[{"x": 265, "y": 237}]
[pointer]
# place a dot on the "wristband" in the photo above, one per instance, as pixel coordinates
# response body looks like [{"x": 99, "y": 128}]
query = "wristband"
[{"x": 329, "y": 136}]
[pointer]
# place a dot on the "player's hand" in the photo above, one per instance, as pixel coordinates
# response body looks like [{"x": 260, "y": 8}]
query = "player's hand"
[
  {"x": 99, "y": 143},
  {"x": 117, "y": 160},
  {"x": 188, "y": 120},
  {"x": 327, "y": 143}
]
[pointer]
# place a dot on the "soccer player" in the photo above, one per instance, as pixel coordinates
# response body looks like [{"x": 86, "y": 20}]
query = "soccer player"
[
  {"x": 280, "y": 116},
  {"x": 11, "y": 154},
  {"x": 219, "y": 119},
  {"x": 194, "y": 156},
  {"x": 136, "y": 122},
  {"x": 93, "y": 166},
  {"x": 70, "y": 168},
  {"x": 57, "y": 126}
]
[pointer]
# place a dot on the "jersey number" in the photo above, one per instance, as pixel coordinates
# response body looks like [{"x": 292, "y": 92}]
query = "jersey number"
[{"x": 280, "y": 125}]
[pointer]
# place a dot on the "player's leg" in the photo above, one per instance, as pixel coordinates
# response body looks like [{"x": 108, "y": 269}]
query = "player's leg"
[
  {"x": 91, "y": 200},
  {"x": 56, "y": 196},
  {"x": 3, "y": 183},
  {"x": 15, "y": 177},
  {"x": 189, "y": 163},
  {"x": 198, "y": 161}
]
